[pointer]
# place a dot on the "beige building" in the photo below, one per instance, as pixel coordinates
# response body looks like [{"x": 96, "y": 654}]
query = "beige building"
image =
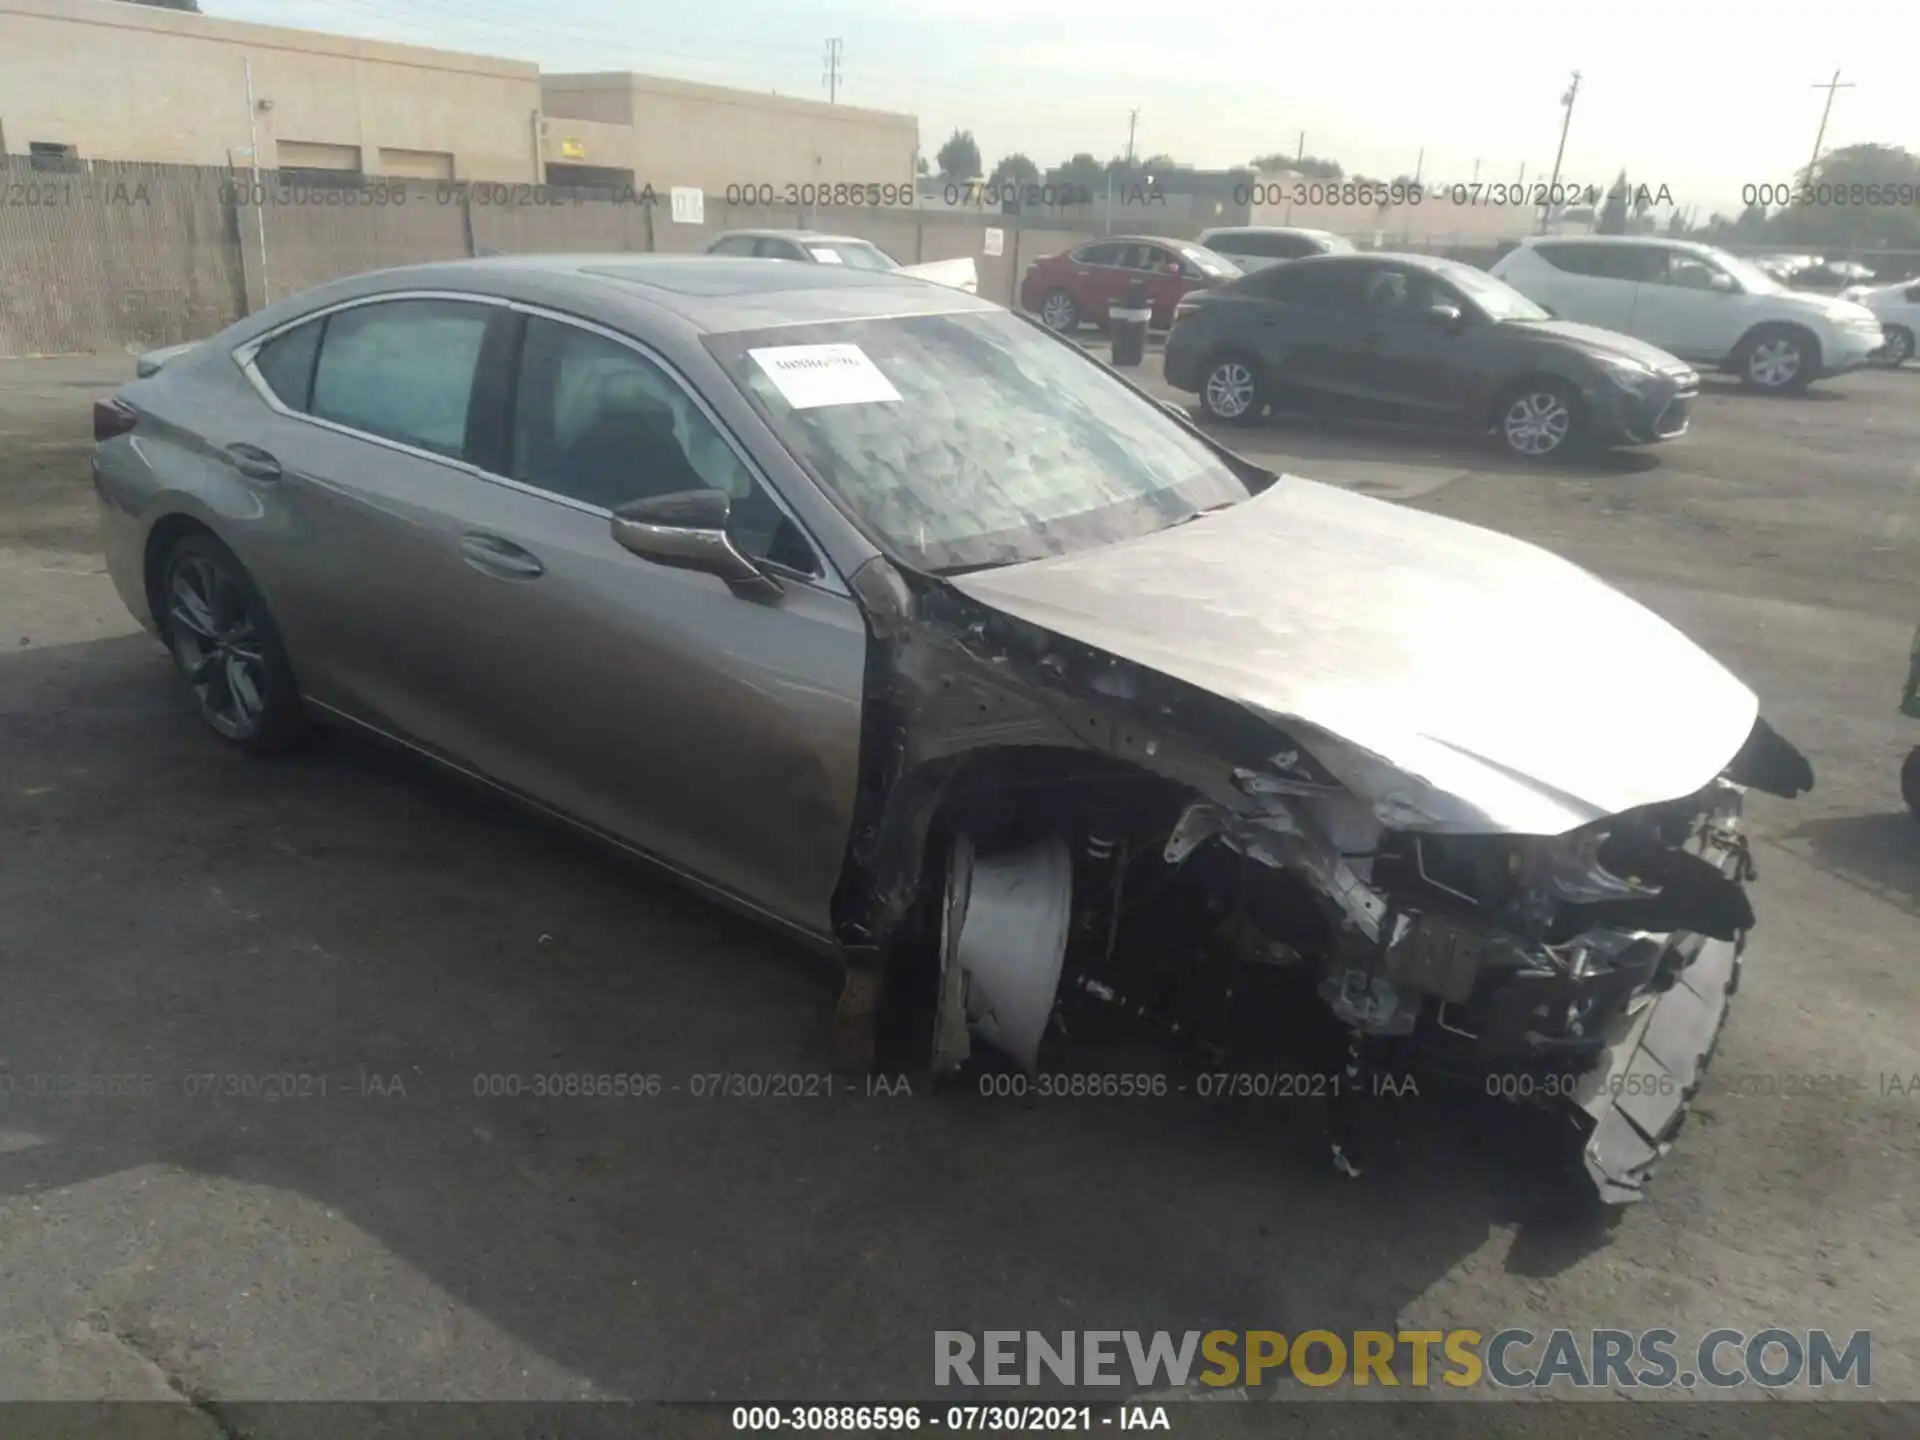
[
  {"x": 113, "y": 81},
  {"x": 649, "y": 130},
  {"x": 106, "y": 80}
]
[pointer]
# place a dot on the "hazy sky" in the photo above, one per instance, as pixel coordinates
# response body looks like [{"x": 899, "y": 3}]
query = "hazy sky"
[{"x": 1700, "y": 95}]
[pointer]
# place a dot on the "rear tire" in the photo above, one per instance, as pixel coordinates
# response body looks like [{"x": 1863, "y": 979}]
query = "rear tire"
[
  {"x": 226, "y": 647},
  {"x": 1060, "y": 312},
  {"x": 1232, "y": 390},
  {"x": 1910, "y": 782},
  {"x": 1777, "y": 360},
  {"x": 1898, "y": 349}
]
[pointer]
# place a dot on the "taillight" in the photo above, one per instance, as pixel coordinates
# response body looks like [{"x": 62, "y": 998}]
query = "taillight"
[{"x": 111, "y": 417}]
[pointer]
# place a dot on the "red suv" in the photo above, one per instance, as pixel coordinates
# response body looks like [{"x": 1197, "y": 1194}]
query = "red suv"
[{"x": 1068, "y": 290}]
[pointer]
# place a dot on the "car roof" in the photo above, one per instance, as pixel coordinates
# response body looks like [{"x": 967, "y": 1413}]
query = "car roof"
[
  {"x": 713, "y": 294},
  {"x": 1669, "y": 241},
  {"x": 793, "y": 235},
  {"x": 1134, "y": 239},
  {"x": 1268, "y": 230}
]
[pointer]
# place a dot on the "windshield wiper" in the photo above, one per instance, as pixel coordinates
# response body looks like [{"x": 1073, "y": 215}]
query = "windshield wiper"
[{"x": 1203, "y": 510}]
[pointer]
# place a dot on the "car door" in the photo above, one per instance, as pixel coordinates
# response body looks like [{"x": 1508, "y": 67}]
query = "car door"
[
  {"x": 359, "y": 463},
  {"x": 718, "y": 733},
  {"x": 1689, "y": 306},
  {"x": 1399, "y": 358},
  {"x": 1168, "y": 276},
  {"x": 1595, "y": 284},
  {"x": 1295, "y": 319}
]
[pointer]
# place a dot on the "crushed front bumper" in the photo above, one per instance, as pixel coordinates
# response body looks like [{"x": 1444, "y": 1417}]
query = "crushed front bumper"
[{"x": 1638, "y": 1096}]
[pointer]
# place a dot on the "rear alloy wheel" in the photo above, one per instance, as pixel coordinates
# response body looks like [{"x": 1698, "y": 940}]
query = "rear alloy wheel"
[
  {"x": 1539, "y": 420},
  {"x": 1232, "y": 391},
  {"x": 1059, "y": 313},
  {"x": 1898, "y": 349},
  {"x": 1777, "y": 360},
  {"x": 225, "y": 646}
]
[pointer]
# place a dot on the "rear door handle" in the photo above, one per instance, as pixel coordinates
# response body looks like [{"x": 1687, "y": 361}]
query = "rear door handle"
[
  {"x": 494, "y": 556},
  {"x": 253, "y": 462}
]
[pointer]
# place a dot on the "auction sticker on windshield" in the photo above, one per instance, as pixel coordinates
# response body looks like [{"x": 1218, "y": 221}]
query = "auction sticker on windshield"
[
  {"x": 824, "y": 255},
  {"x": 809, "y": 376}
]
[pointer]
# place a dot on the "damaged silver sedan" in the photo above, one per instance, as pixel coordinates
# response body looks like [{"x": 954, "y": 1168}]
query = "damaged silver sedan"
[{"x": 885, "y": 616}]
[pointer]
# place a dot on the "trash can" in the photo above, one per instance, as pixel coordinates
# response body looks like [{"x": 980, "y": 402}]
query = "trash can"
[{"x": 1129, "y": 320}]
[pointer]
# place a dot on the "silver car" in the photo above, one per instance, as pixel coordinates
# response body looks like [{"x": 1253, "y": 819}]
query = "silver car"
[{"x": 886, "y": 616}]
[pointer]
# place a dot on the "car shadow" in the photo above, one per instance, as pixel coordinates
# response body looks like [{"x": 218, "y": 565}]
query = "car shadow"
[
  {"x": 1391, "y": 442},
  {"x": 1878, "y": 853},
  {"x": 176, "y": 910},
  {"x": 1820, "y": 392}
]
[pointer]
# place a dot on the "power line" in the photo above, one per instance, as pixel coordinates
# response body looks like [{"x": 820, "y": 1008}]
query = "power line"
[{"x": 832, "y": 78}]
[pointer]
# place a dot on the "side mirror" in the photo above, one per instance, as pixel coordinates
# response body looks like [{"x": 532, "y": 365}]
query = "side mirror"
[
  {"x": 1447, "y": 317},
  {"x": 687, "y": 530},
  {"x": 1722, "y": 282},
  {"x": 1177, "y": 410}
]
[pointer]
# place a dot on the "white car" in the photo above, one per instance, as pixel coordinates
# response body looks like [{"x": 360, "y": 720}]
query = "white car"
[
  {"x": 1254, "y": 247},
  {"x": 1898, "y": 309},
  {"x": 816, "y": 248},
  {"x": 1697, "y": 302}
]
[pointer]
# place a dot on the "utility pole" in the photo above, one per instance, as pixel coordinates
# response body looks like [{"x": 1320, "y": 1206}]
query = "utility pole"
[
  {"x": 1566, "y": 120},
  {"x": 1420, "y": 165},
  {"x": 1301, "y": 153},
  {"x": 1133, "y": 117},
  {"x": 1821, "y": 134},
  {"x": 831, "y": 79}
]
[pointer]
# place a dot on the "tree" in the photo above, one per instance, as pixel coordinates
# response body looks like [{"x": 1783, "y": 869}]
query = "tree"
[
  {"x": 1157, "y": 165},
  {"x": 1082, "y": 173},
  {"x": 921, "y": 167},
  {"x": 1850, "y": 208},
  {"x": 1677, "y": 224},
  {"x": 1613, "y": 216},
  {"x": 959, "y": 158},
  {"x": 1014, "y": 169},
  {"x": 1311, "y": 166}
]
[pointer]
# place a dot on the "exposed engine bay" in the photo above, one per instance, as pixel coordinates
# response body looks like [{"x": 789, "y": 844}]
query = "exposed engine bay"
[{"x": 1051, "y": 827}]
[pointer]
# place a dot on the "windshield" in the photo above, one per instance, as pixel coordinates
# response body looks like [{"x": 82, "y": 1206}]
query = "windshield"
[
  {"x": 854, "y": 254},
  {"x": 1211, "y": 262},
  {"x": 1752, "y": 278},
  {"x": 1499, "y": 299},
  {"x": 970, "y": 440}
]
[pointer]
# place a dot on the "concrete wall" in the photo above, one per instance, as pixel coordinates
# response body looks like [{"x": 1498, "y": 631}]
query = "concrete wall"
[
  {"x": 674, "y": 132},
  {"x": 131, "y": 82}
]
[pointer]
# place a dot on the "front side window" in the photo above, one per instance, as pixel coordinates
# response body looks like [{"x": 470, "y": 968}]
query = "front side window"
[
  {"x": 977, "y": 439},
  {"x": 733, "y": 245},
  {"x": 598, "y": 422},
  {"x": 402, "y": 370}
]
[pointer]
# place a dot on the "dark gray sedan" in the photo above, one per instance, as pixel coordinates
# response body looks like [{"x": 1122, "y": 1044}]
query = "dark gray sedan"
[
  {"x": 1414, "y": 337},
  {"x": 887, "y": 616}
]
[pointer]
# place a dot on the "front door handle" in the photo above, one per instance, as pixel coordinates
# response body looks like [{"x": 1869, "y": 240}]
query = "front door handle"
[
  {"x": 494, "y": 556},
  {"x": 253, "y": 462}
]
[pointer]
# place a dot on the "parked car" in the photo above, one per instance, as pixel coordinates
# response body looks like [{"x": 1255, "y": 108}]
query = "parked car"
[
  {"x": 815, "y": 248},
  {"x": 1699, "y": 302},
  {"x": 889, "y": 618},
  {"x": 1081, "y": 285},
  {"x": 1897, "y": 307},
  {"x": 1254, "y": 247},
  {"x": 1827, "y": 277},
  {"x": 1428, "y": 339}
]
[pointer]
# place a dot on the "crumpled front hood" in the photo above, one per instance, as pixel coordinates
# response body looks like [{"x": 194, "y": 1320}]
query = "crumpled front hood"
[{"x": 1505, "y": 688}]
